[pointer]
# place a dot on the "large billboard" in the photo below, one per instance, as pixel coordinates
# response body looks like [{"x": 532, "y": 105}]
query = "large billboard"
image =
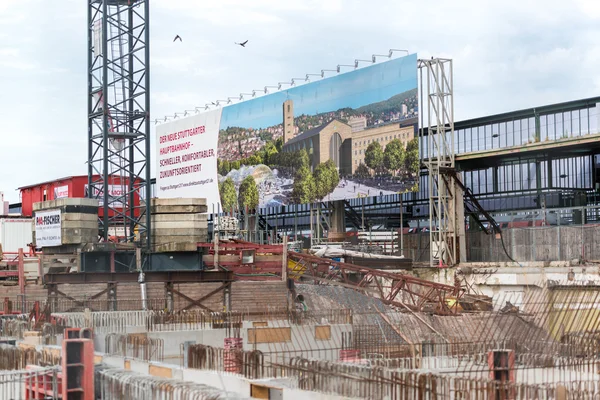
[{"x": 348, "y": 136}]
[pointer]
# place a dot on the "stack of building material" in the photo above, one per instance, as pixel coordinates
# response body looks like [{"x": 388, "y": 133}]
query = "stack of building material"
[
  {"x": 178, "y": 224},
  {"x": 226, "y": 223},
  {"x": 78, "y": 219}
]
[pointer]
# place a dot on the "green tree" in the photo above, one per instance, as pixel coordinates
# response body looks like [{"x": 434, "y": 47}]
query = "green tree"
[
  {"x": 248, "y": 196},
  {"x": 411, "y": 160},
  {"x": 326, "y": 179},
  {"x": 302, "y": 159},
  {"x": 362, "y": 171},
  {"x": 234, "y": 165},
  {"x": 374, "y": 156},
  {"x": 224, "y": 168},
  {"x": 304, "y": 186},
  {"x": 279, "y": 144},
  {"x": 393, "y": 156},
  {"x": 269, "y": 151},
  {"x": 254, "y": 160},
  {"x": 228, "y": 194}
]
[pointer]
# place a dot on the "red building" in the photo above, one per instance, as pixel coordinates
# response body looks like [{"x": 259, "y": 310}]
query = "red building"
[{"x": 72, "y": 186}]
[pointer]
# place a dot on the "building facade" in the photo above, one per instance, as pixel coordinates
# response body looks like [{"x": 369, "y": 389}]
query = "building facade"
[{"x": 382, "y": 134}]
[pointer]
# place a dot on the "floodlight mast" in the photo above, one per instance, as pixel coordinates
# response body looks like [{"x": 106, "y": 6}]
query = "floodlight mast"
[{"x": 119, "y": 116}]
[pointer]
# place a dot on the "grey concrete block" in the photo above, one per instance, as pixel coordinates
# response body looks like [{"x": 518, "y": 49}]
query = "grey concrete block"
[
  {"x": 79, "y": 217},
  {"x": 179, "y": 239},
  {"x": 184, "y": 209},
  {"x": 179, "y": 217},
  {"x": 179, "y": 232},
  {"x": 180, "y": 225},
  {"x": 93, "y": 224},
  {"x": 70, "y": 201},
  {"x": 193, "y": 201},
  {"x": 79, "y": 231}
]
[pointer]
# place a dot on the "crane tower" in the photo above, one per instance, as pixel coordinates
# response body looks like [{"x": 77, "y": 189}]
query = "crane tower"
[{"x": 119, "y": 115}]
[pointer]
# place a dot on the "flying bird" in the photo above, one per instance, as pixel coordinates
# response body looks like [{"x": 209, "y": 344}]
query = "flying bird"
[
  {"x": 243, "y": 44},
  {"x": 178, "y": 37}
]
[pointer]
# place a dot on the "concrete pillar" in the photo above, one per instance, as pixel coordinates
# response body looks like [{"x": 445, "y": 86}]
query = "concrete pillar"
[{"x": 337, "y": 220}]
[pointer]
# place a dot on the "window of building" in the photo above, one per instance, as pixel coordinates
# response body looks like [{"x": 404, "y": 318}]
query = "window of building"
[
  {"x": 584, "y": 118},
  {"x": 576, "y": 123},
  {"x": 559, "y": 128}
]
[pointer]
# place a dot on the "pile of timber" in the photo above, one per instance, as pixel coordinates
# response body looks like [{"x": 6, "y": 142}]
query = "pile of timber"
[
  {"x": 178, "y": 224},
  {"x": 79, "y": 219}
]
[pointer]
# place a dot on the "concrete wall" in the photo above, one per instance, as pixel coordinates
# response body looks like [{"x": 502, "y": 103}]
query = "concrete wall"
[
  {"x": 225, "y": 381},
  {"x": 303, "y": 341},
  {"x": 551, "y": 243}
]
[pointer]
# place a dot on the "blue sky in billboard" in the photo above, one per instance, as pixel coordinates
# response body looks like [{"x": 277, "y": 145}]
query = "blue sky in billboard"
[{"x": 352, "y": 89}]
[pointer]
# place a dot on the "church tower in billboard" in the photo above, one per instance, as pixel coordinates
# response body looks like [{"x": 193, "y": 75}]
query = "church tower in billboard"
[{"x": 288, "y": 120}]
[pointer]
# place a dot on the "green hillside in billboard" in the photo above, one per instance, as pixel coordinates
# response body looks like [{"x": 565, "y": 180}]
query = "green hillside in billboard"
[{"x": 351, "y": 135}]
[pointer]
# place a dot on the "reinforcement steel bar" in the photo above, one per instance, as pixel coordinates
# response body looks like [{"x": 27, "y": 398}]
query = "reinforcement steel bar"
[{"x": 151, "y": 276}]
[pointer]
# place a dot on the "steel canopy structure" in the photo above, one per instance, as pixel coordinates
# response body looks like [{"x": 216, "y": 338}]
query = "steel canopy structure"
[{"x": 118, "y": 115}]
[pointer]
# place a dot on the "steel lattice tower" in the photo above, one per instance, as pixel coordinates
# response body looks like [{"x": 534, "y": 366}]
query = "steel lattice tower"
[
  {"x": 119, "y": 115},
  {"x": 436, "y": 98}
]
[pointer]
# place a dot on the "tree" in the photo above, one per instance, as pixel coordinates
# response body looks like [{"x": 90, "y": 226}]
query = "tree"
[
  {"x": 269, "y": 151},
  {"x": 302, "y": 159},
  {"x": 411, "y": 160},
  {"x": 279, "y": 144},
  {"x": 362, "y": 171},
  {"x": 228, "y": 194},
  {"x": 326, "y": 179},
  {"x": 253, "y": 160},
  {"x": 248, "y": 196},
  {"x": 304, "y": 186},
  {"x": 234, "y": 165},
  {"x": 224, "y": 168},
  {"x": 374, "y": 156},
  {"x": 393, "y": 156}
]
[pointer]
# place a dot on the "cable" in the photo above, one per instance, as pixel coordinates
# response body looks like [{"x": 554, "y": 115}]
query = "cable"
[{"x": 506, "y": 251}]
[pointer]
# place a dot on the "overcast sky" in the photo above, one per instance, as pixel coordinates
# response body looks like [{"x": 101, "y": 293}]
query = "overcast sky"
[{"x": 507, "y": 55}]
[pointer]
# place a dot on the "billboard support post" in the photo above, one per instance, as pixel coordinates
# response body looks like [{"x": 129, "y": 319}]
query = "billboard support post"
[{"x": 436, "y": 79}]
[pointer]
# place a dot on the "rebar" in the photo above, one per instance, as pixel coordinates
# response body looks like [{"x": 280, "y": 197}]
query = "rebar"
[
  {"x": 137, "y": 346},
  {"x": 117, "y": 384}
]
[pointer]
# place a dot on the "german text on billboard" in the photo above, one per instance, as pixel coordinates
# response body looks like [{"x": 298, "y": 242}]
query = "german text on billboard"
[
  {"x": 48, "y": 226},
  {"x": 351, "y": 135}
]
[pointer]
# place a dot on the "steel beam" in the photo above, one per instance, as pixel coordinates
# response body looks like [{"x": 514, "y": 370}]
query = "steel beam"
[{"x": 131, "y": 277}]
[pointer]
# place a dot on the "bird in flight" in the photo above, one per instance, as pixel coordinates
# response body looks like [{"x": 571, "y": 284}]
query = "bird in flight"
[
  {"x": 243, "y": 44},
  {"x": 177, "y": 37}
]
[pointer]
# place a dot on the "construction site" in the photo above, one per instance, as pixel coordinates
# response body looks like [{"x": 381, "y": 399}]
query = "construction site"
[{"x": 483, "y": 282}]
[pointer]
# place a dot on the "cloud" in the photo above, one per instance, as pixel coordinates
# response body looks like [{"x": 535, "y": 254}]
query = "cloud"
[{"x": 507, "y": 55}]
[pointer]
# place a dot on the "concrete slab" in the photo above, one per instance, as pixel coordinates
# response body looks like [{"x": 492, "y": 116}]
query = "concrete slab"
[
  {"x": 81, "y": 224},
  {"x": 79, "y": 217},
  {"x": 184, "y": 209},
  {"x": 180, "y": 225},
  {"x": 190, "y": 201},
  {"x": 179, "y": 217},
  {"x": 159, "y": 233},
  {"x": 71, "y": 201}
]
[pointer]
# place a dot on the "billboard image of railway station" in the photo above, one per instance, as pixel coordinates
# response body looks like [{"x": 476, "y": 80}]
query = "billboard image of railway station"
[{"x": 351, "y": 135}]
